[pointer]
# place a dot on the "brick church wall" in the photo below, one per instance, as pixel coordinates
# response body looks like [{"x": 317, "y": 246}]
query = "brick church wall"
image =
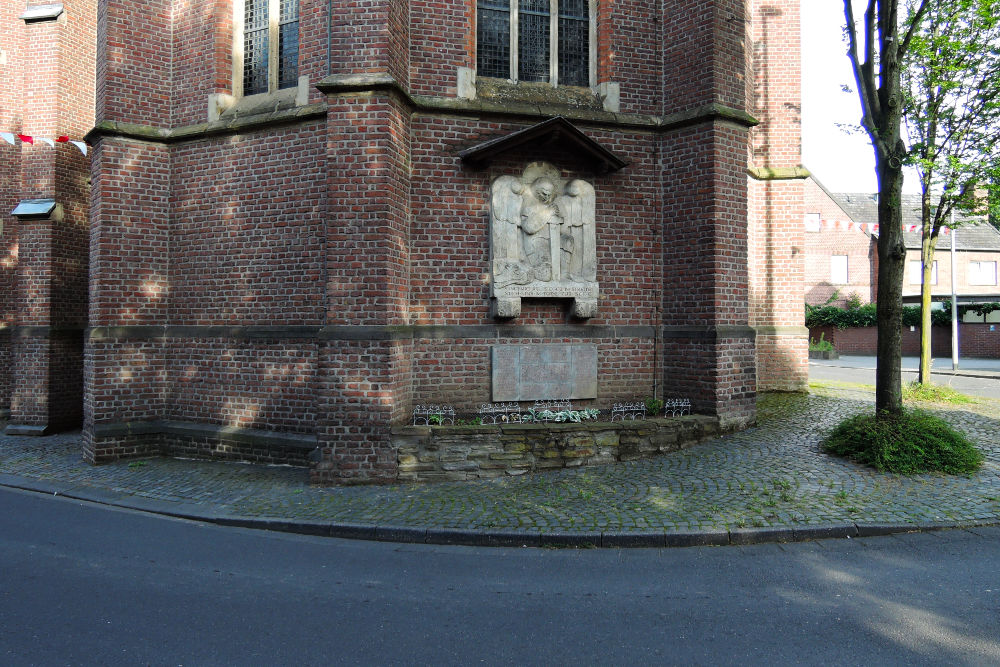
[
  {"x": 48, "y": 72},
  {"x": 777, "y": 259},
  {"x": 11, "y": 37},
  {"x": 302, "y": 278}
]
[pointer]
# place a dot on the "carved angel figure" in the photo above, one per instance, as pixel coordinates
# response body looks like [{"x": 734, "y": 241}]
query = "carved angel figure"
[{"x": 578, "y": 262}]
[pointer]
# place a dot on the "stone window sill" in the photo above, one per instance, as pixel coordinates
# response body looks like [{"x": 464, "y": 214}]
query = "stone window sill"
[
  {"x": 223, "y": 107},
  {"x": 540, "y": 92}
]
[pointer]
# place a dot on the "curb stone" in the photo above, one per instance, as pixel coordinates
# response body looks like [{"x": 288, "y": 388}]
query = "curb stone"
[
  {"x": 618, "y": 539},
  {"x": 501, "y": 538},
  {"x": 352, "y": 531},
  {"x": 866, "y": 529},
  {"x": 696, "y": 538},
  {"x": 761, "y": 535},
  {"x": 563, "y": 539},
  {"x": 824, "y": 531},
  {"x": 487, "y": 538},
  {"x": 454, "y": 536},
  {"x": 401, "y": 534}
]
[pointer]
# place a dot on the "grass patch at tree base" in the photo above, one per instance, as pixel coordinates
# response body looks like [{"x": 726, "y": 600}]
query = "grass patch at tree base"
[
  {"x": 912, "y": 442},
  {"x": 934, "y": 393}
]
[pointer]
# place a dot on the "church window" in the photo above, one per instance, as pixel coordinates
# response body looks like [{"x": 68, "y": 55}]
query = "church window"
[
  {"x": 536, "y": 40},
  {"x": 269, "y": 45}
]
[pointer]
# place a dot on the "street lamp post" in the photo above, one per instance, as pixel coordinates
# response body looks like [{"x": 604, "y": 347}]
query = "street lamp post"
[{"x": 954, "y": 296}]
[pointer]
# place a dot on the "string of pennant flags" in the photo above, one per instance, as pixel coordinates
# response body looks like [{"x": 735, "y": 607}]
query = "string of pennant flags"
[
  {"x": 11, "y": 138},
  {"x": 850, "y": 225}
]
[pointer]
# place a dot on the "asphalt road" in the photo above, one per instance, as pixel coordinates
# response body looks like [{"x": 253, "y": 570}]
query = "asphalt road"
[
  {"x": 83, "y": 584},
  {"x": 987, "y": 387}
]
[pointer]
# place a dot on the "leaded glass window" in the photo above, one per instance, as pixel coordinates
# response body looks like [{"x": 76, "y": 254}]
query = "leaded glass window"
[
  {"x": 574, "y": 42},
  {"x": 536, "y": 40},
  {"x": 533, "y": 40},
  {"x": 288, "y": 44},
  {"x": 270, "y": 45},
  {"x": 255, "y": 51},
  {"x": 493, "y": 46}
]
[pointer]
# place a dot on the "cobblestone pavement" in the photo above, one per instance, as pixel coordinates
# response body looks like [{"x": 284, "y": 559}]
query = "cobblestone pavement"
[{"x": 773, "y": 475}]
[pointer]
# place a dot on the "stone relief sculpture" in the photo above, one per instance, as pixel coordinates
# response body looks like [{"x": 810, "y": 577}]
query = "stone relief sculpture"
[{"x": 543, "y": 240}]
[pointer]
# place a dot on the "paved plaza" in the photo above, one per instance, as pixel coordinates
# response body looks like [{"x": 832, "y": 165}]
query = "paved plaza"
[{"x": 768, "y": 483}]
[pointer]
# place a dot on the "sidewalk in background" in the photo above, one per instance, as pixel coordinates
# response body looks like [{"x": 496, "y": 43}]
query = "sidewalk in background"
[{"x": 986, "y": 368}]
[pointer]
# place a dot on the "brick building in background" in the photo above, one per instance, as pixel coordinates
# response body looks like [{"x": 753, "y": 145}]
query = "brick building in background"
[
  {"x": 290, "y": 213},
  {"x": 47, "y": 59},
  {"x": 841, "y": 254}
]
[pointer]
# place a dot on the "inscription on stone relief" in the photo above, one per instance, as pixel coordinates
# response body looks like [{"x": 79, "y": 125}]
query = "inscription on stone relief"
[
  {"x": 543, "y": 240},
  {"x": 544, "y": 372}
]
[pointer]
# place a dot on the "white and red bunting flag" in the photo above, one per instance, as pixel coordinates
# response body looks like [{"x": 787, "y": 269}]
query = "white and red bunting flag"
[
  {"x": 10, "y": 137},
  {"x": 870, "y": 227},
  {"x": 848, "y": 226}
]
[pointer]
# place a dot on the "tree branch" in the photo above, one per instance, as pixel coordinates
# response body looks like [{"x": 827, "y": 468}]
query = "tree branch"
[
  {"x": 863, "y": 74},
  {"x": 914, "y": 23}
]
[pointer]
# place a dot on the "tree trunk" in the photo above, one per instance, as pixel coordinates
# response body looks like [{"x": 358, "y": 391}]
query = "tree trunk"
[
  {"x": 926, "y": 288},
  {"x": 891, "y": 265}
]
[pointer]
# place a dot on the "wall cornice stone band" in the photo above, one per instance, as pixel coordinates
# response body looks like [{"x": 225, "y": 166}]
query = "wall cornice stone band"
[
  {"x": 39, "y": 331},
  {"x": 781, "y": 331},
  {"x": 453, "y": 106},
  {"x": 358, "y": 84},
  {"x": 235, "y": 125},
  {"x": 725, "y": 331},
  {"x": 421, "y": 332},
  {"x": 779, "y": 173}
]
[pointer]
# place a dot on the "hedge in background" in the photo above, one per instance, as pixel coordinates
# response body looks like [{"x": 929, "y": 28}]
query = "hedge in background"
[{"x": 855, "y": 315}]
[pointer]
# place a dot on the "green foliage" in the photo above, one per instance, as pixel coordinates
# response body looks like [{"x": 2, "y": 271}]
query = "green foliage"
[
  {"x": 981, "y": 309},
  {"x": 950, "y": 86},
  {"x": 561, "y": 416},
  {"x": 865, "y": 315},
  {"x": 842, "y": 318},
  {"x": 934, "y": 393},
  {"x": 912, "y": 442},
  {"x": 911, "y": 315},
  {"x": 821, "y": 345},
  {"x": 653, "y": 406}
]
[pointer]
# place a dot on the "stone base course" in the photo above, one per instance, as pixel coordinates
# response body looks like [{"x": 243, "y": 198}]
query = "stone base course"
[
  {"x": 196, "y": 441},
  {"x": 451, "y": 453}
]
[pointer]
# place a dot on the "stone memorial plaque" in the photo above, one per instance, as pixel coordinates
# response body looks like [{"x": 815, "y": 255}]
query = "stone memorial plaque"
[
  {"x": 506, "y": 357},
  {"x": 544, "y": 372}
]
